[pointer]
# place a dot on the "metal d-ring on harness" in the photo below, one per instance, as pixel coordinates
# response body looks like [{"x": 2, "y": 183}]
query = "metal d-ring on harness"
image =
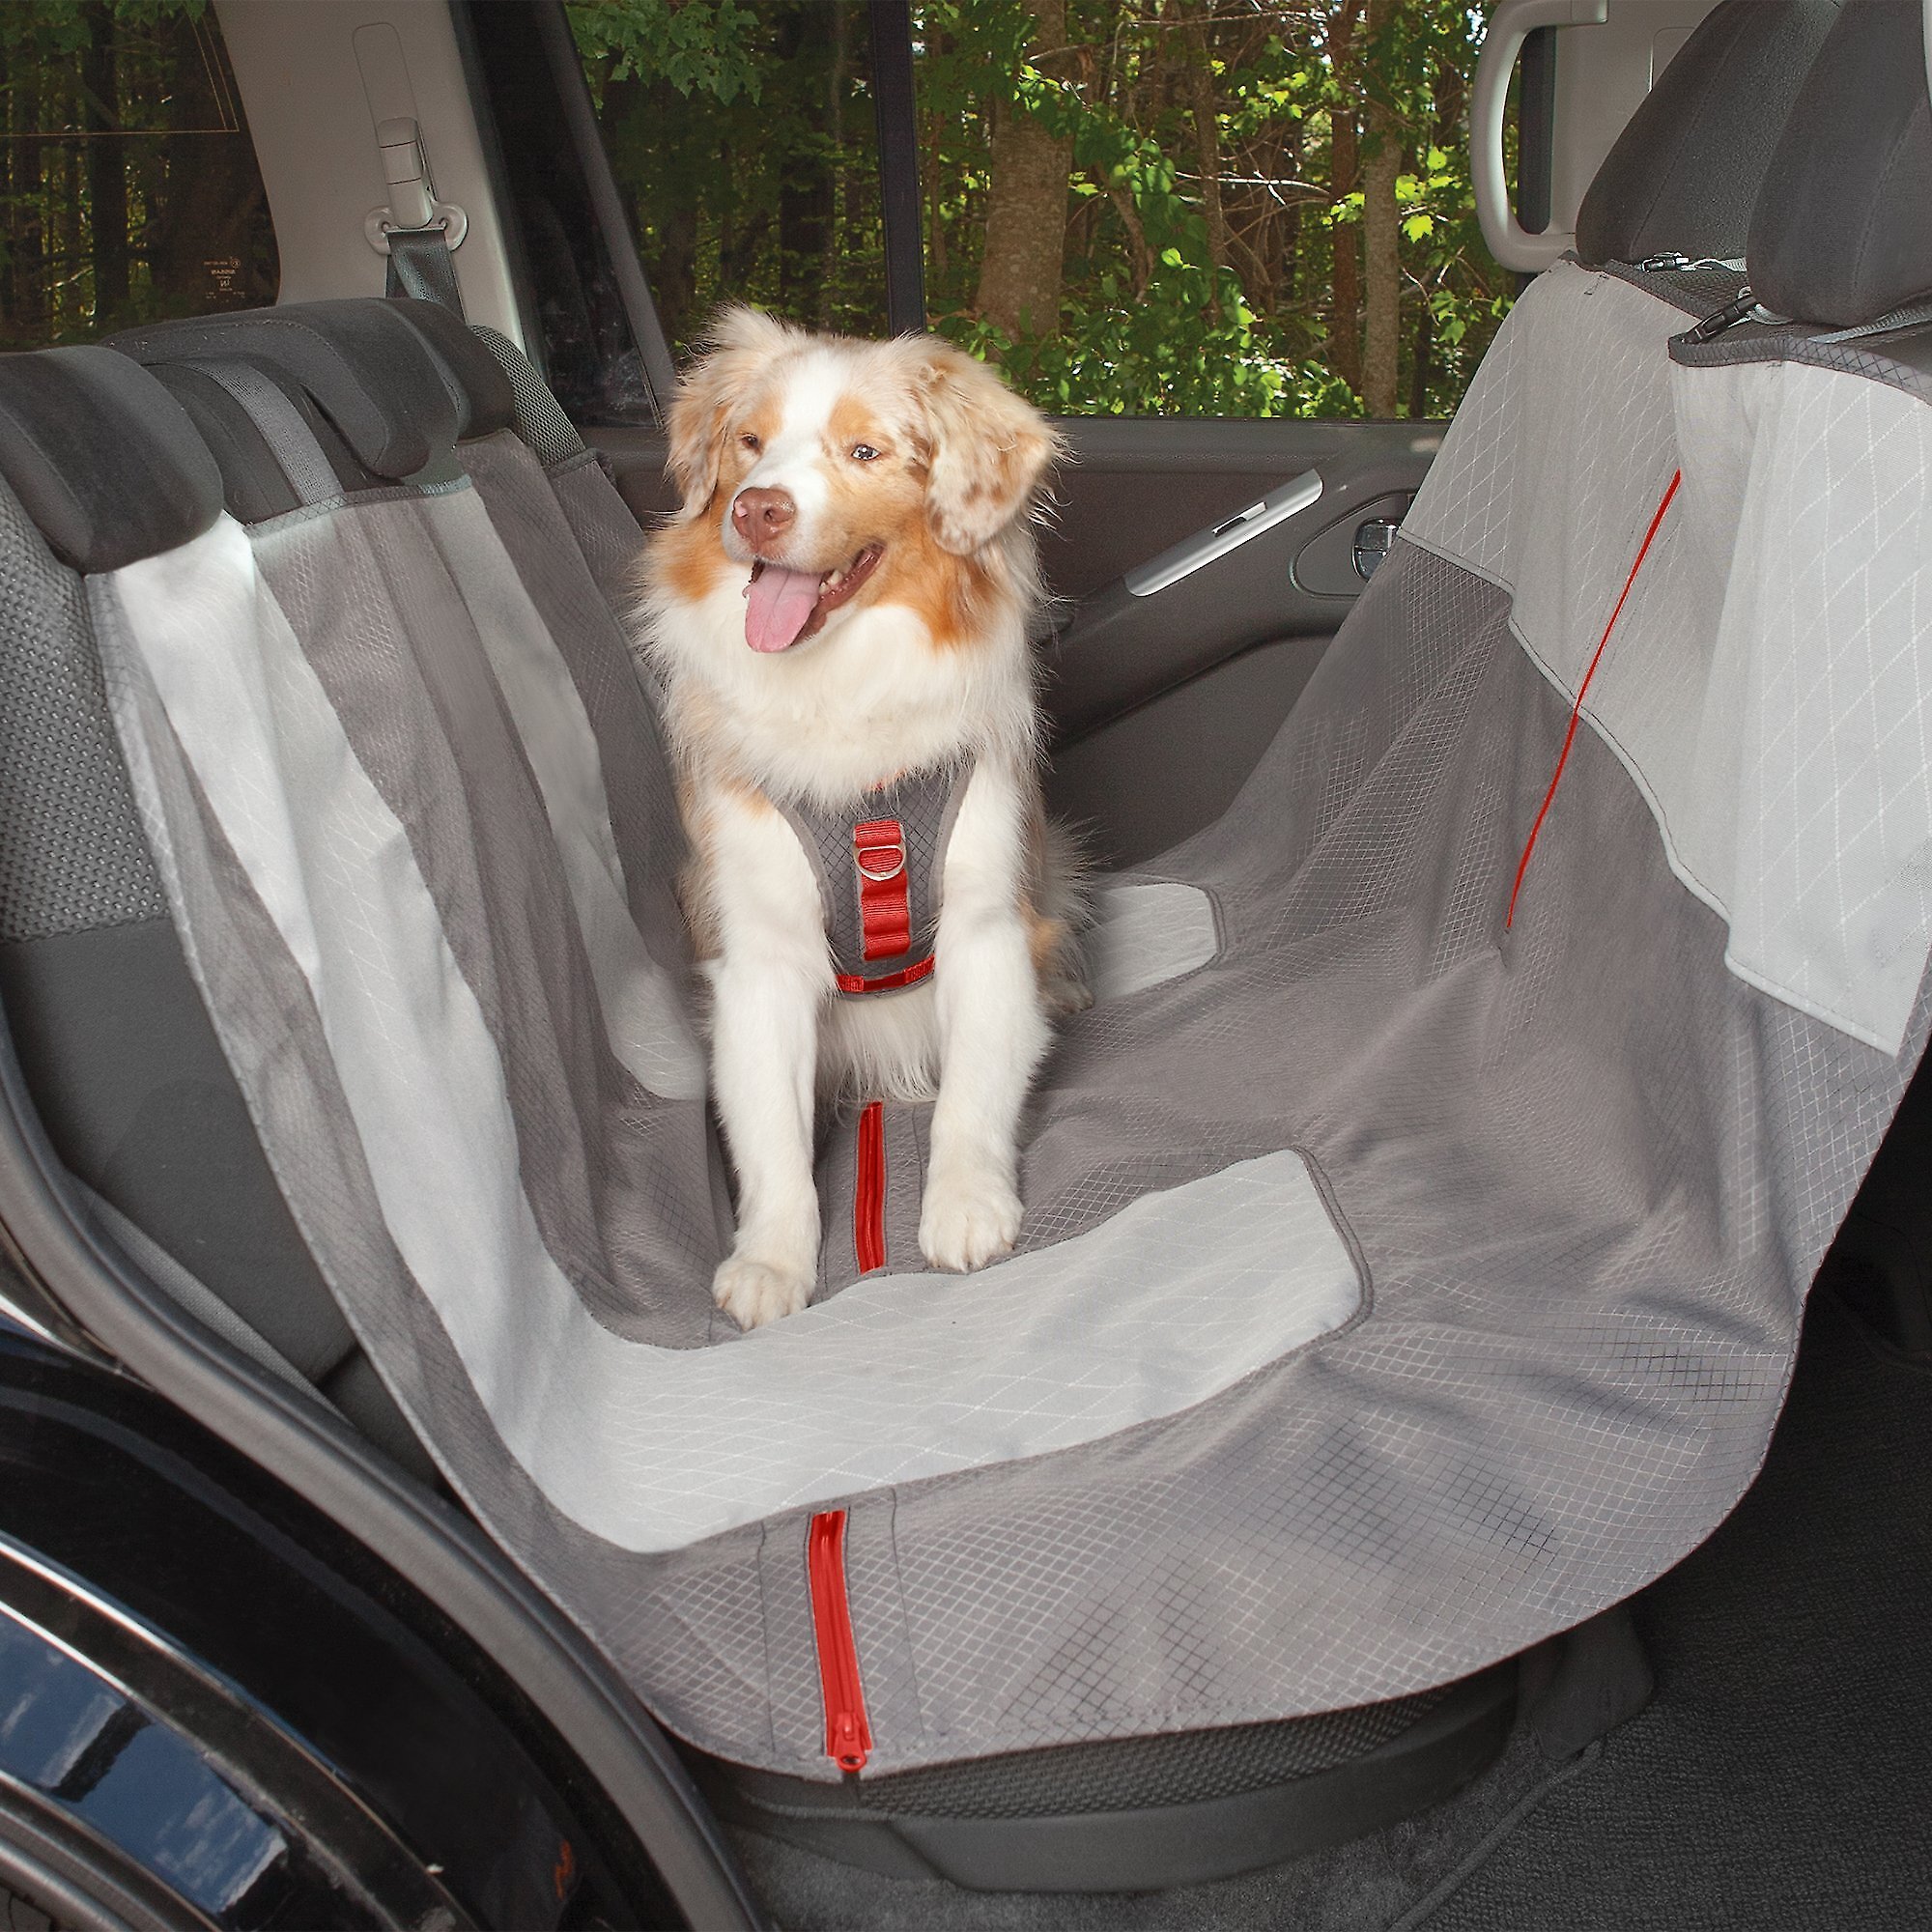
[{"x": 879, "y": 865}]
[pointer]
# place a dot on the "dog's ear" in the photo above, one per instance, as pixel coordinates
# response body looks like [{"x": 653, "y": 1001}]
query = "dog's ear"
[
  {"x": 986, "y": 449},
  {"x": 740, "y": 342}
]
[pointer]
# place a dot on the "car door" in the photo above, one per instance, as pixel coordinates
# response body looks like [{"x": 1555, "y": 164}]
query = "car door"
[{"x": 1209, "y": 532}]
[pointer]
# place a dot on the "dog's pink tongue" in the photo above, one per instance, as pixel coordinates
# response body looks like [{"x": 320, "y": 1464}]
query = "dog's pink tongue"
[{"x": 778, "y": 605}]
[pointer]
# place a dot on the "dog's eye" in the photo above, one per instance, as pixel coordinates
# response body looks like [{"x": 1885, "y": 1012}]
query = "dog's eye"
[
  {"x": 864, "y": 452},
  {"x": 751, "y": 442}
]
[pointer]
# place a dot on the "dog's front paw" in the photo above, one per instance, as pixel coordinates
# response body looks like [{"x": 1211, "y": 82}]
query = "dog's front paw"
[
  {"x": 752, "y": 1292},
  {"x": 967, "y": 1220}
]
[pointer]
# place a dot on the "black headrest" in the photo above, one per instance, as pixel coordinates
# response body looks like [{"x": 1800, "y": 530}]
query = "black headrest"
[
  {"x": 101, "y": 457},
  {"x": 365, "y": 368},
  {"x": 486, "y": 401},
  {"x": 1686, "y": 172},
  {"x": 1843, "y": 229}
]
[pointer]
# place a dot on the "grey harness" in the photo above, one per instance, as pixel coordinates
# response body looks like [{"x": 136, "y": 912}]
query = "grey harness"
[{"x": 878, "y": 862}]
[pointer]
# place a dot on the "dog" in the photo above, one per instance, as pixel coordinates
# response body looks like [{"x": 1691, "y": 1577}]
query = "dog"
[{"x": 836, "y": 621}]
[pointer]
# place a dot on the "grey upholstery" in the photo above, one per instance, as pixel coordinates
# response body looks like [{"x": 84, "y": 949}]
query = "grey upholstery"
[
  {"x": 1685, "y": 173},
  {"x": 1842, "y": 233},
  {"x": 368, "y": 368},
  {"x": 1408, "y": 1275},
  {"x": 104, "y": 462}
]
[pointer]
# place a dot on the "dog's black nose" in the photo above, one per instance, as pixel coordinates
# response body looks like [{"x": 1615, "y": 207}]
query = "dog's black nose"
[{"x": 762, "y": 513}]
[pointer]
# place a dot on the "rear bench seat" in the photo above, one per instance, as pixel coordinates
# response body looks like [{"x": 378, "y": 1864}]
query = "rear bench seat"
[
  {"x": 299, "y": 409},
  {"x": 1554, "y": 1395}
]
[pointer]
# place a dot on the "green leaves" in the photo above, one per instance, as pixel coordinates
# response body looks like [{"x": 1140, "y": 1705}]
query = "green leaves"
[{"x": 699, "y": 46}]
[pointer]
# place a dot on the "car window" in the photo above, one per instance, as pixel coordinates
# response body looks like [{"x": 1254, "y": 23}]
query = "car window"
[
  {"x": 1136, "y": 207},
  {"x": 1146, "y": 206},
  {"x": 743, "y": 138},
  {"x": 128, "y": 189}
]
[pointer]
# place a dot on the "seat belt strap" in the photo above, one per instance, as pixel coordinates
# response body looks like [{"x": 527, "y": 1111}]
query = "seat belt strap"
[
  {"x": 420, "y": 264},
  {"x": 281, "y": 424}
]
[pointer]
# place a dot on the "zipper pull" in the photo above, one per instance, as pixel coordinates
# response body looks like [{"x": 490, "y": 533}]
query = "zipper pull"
[{"x": 848, "y": 1736}]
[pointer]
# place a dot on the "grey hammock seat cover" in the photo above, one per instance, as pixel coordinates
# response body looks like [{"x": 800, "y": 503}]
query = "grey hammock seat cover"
[{"x": 1397, "y": 1285}]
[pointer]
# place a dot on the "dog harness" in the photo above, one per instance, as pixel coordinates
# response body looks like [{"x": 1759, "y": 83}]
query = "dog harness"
[{"x": 878, "y": 863}]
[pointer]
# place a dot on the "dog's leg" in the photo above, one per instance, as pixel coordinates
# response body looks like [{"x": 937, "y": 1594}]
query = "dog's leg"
[
  {"x": 992, "y": 1032},
  {"x": 770, "y": 978}
]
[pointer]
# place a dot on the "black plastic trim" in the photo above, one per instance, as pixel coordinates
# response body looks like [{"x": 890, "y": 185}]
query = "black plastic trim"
[
  {"x": 1157, "y": 1847},
  {"x": 1536, "y": 130},
  {"x": 895, "y": 104},
  {"x": 580, "y": 119}
]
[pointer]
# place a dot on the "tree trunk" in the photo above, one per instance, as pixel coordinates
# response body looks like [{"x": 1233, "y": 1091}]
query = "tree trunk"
[
  {"x": 1419, "y": 370},
  {"x": 1381, "y": 233},
  {"x": 1026, "y": 202},
  {"x": 106, "y": 166},
  {"x": 805, "y": 189},
  {"x": 27, "y": 259},
  {"x": 1199, "y": 88},
  {"x": 1345, "y": 302}
]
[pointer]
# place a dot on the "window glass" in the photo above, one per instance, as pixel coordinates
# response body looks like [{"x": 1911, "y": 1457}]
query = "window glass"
[
  {"x": 743, "y": 140},
  {"x": 1192, "y": 206},
  {"x": 129, "y": 188}
]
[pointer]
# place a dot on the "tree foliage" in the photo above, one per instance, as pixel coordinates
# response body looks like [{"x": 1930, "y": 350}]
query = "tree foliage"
[
  {"x": 128, "y": 189},
  {"x": 1219, "y": 158}
]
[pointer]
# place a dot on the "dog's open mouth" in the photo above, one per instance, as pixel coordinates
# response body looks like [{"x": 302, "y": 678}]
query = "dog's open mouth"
[{"x": 784, "y": 606}]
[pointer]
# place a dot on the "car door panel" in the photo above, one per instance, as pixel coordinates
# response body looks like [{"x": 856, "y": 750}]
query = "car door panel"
[{"x": 1158, "y": 704}]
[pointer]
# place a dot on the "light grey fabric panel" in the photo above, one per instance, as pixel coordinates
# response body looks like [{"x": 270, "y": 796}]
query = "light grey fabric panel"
[
  {"x": 549, "y": 552},
  {"x": 1768, "y": 674},
  {"x": 645, "y": 1018},
  {"x": 1148, "y": 932},
  {"x": 277, "y": 1044},
  {"x": 903, "y": 1375},
  {"x": 615, "y": 1179}
]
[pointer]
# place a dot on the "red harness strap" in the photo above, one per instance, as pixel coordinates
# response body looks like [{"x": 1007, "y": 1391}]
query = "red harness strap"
[{"x": 884, "y": 913}]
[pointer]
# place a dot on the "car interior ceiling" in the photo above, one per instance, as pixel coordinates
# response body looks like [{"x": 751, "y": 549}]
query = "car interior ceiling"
[{"x": 1739, "y": 1743}]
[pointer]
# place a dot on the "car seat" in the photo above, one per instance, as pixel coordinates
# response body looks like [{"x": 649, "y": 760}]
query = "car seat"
[{"x": 1417, "y": 1226}]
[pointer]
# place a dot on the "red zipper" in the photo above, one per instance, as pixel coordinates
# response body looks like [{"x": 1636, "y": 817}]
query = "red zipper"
[
  {"x": 1576, "y": 709},
  {"x": 849, "y": 1737},
  {"x": 868, "y": 1190}
]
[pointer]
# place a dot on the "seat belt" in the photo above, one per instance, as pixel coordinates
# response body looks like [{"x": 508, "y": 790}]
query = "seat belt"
[
  {"x": 420, "y": 266},
  {"x": 417, "y": 231}
]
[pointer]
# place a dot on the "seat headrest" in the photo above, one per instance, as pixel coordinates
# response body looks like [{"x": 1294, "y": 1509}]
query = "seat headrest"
[
  {"x": 1843, "y": 229},
  {"x": 487, "y": 402},
  {"x": 102, "y": 458},
  {"x": 363, "y": 366},
  {"x": 1685, "y": 171}
]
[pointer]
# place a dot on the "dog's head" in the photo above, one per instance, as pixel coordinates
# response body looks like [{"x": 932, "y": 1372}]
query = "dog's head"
[{"x": 847, "y": 473}]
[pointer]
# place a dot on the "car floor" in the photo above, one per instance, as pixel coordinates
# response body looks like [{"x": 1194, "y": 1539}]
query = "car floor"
[{"x": 1780, "y": 1778}]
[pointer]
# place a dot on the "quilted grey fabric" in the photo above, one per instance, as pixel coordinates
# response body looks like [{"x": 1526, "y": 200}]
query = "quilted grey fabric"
[
  {"x": 1397, "y": 1285},
  {"x": 923, "y": 806}
]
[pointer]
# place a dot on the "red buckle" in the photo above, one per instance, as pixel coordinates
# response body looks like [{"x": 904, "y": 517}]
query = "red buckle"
[{"x": 884, "y": 913}]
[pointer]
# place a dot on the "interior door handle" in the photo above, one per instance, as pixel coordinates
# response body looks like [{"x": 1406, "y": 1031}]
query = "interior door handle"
[{"x": 1190, "y": 554}]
